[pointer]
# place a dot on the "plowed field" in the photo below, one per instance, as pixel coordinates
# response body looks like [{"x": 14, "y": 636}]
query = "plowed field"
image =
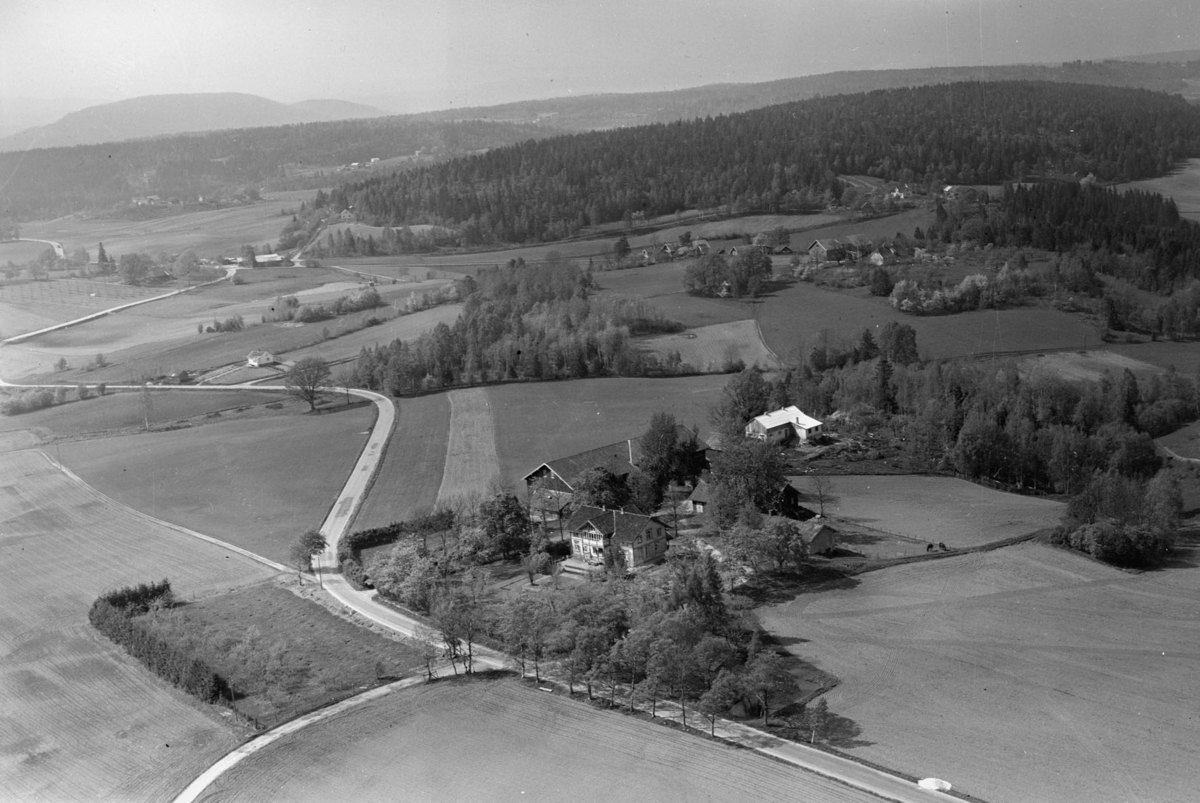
[
  {"x": 81, "y": 720},
  {"x": 1026, "y": 673},
  {"x": 500, "y": 740},
  {"x": 471, "y": 463}
]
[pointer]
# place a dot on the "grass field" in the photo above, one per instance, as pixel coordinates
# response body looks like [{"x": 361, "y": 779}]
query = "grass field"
[
  {"x": 1185, "y": 442},
  {"x": 1025, "y": 673},
  {"x": 209, "y": 233},
  {"x": 1087, "y": 366},
  {"x": 20, "y": 251},
  {"x": 795, "y": 316},
  {"x": 708, "y": 348},
  {"x": 30, "y": 306},
  {"x": 118, "y": 411},
  {"x": 1183, "y": 185},
  {"x": 411, "y": 471},
  {"x": 284, "y": 655},
  {"x": 542, "y": 421},
  {"x": 404, "y": 327},
  {"x": 81, "y": 720},
  {"x": 523, "y": 745},
  {"x": 1185, "y": 356},
  {"x": 471, "y": 464},
  {"x": 254, "y": 482},
  {"x": 936, "y": 509}
]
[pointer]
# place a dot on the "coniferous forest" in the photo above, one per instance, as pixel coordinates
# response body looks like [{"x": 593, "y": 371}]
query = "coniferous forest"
[{"x": 788, "y": 157}]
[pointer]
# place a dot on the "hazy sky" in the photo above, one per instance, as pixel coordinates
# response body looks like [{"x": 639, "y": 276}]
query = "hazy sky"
[{"x": 471, "y": 52}]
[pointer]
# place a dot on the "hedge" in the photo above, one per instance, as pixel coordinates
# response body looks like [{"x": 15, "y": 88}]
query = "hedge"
[
  {"x": 115, "y": 615},
  {"x": 349, "y": 552}
]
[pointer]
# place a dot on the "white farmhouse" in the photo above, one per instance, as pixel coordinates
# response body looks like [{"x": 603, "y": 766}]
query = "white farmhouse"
[
  {"x": 260, "y": 359},
  {"x": 780, "y": 426}
]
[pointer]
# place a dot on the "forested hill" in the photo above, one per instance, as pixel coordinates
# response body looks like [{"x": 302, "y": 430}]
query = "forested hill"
[
  {"x": 787, "y": 157},
  {"x": 597, "y": 112},
  {"x": 57, "y": 181}
]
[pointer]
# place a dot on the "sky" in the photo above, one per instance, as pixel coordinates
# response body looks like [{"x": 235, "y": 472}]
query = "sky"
[{"x": 418, "y": 56}]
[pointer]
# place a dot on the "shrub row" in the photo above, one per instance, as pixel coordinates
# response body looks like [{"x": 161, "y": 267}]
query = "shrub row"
[
  {"x": 27, "y": 402},
  {"x": 350, "y": 548},
  {"x": 114, "y": 615}
]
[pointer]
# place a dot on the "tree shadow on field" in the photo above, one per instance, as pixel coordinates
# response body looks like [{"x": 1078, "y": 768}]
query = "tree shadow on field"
[
  {"x": 772, "y": 588},
  {"x": 797, "y": 723}
]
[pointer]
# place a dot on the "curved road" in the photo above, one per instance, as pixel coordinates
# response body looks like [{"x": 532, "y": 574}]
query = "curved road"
[{"x": 876, "y": 782}]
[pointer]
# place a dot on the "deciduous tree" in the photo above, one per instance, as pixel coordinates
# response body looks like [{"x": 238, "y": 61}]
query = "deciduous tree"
[{"x": 306, "y": 379}]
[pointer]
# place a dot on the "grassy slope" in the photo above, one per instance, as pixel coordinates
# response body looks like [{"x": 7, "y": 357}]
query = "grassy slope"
[
  {"x": 1081, "y": 676},
  {"x": 257, "y": 483},
  {"x": 415, "y": 740},
  {"x": 411, "y": 472},
  {"x": 706, "y": 348},
  {"x": 405, "y": 327},
  {"x": 538, "y": 422},
  {"x": 83, "y": 721}
]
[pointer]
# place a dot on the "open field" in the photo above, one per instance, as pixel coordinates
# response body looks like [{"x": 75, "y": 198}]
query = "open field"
[
  {"x": 1185, "y": 442},
  {"x": 882, "y": 228},
  {"x": 416, "y": 740},
  {"x": 123, "y": 410},
  {"x": 82, "y": 720},
  {"x": 284, "y": 655},
  {"x": 403, "y": 327},
  {"x": 411, "y": 471},
  {"x": 29, "y": 306},
  {"x": 209, "y": 233},
  {"x": 1183, "y": 185},
  {"x": 20, "y": 251},
  {"x": 1025, "y": 673},
  {"x": 1087, "y": 365},
  {"x": 936, "y": 509},
  {"x": 254, "y": 482},
  {"x": 662, "y": 286},
  {"x": 1185, "y": 355},
  {"x": 536, "y": 422},
  {"x": 707, "y": 348},
  {"x": 471, "y": 464},
  {"x": 795, "y": 315}
]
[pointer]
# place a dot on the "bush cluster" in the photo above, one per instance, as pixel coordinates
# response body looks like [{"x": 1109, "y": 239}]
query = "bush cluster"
[
  {"x": 350, "y": 548},
  {"x": 116, "y": 616},
  {"x": 27, "y": 402}
]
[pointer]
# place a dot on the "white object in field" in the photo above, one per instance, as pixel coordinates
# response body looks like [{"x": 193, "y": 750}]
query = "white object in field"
[{"x": 936, "y": 784}]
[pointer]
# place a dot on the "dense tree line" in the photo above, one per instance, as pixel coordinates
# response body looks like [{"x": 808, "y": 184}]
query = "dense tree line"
[
  {"x": 57, "y": 181},
  {"x": 993, "y": 423},
  {"x": 1134, "y": 235},
  {"x": 117, "y": 616},
  {"x": 519, "y": 322},
  {"x": 788, "y": 157}
]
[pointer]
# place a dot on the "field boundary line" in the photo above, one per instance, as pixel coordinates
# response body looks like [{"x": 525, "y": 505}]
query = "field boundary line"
[
  {"x": 240, "y": 753},
  {"x": 763, "y": 341},
  {"x": 108, "y": 500}
]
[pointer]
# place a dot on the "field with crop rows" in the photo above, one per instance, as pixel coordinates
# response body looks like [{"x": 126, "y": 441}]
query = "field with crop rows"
[
  {"x": 209, "y": 233},
  {"x": 29, "y": 306},
  {"x": 937, "y": 509},
  {"x": 536, "y": 422},
  {"x": 83, "y": 721},
  {"x": 254, "y": 482},
  {"x": 415, "y": 740},
  {"x": 411, "y": 471},
  {"x": 1025, "y": 673},
  {"x": 708, "y": 348},
  {"x": 471, "y": 463}
]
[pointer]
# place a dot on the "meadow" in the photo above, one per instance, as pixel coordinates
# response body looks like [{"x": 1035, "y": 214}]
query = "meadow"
[
  {"x": 284, "y": 655},
  {"x": 709, "y": 348},
  {"x": 256, "y": 482},
  {"x": 209, "y": 233},
  {"x": 966, "y": 514},
  {"x": 1185, "y": 442},
  {"x": 1024, "y": 673},
  {"x": 82, "y": 720},
  {"x": 1183, "y": 185},
  {"x": 471, "y": 465},
  {"x": 20, "y": 251},
  {"x": 415, "y": 740},
  {"x": 29, "y": 306},
  {"x": 535, "y": 422},
  {"x": 403, "y": 327}
]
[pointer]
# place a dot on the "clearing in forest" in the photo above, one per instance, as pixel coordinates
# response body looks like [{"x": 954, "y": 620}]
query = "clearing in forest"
[
  {"x": 82, "y": 720},
  {"x": 711, "y": 348},
  {"x": 1024, "y": 673},
  {"x": 416, "y": 740}
]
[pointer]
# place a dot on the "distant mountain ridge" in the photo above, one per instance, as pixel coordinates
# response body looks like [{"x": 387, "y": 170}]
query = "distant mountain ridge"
[{"x": 158, "y": 115}]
